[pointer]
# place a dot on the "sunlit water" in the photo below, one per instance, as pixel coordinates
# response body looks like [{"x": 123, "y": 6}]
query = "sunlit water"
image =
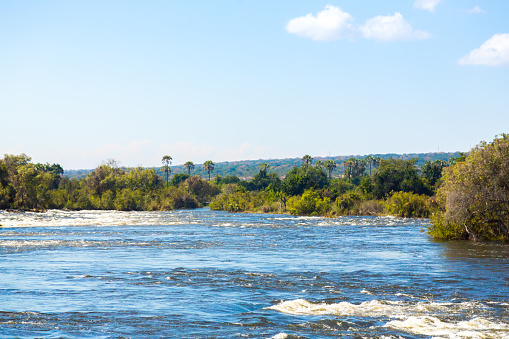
[{"x": 203, "y": 274}]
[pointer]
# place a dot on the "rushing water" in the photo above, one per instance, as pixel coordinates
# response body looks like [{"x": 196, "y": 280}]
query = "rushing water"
[{"x": 203, "y": 274}]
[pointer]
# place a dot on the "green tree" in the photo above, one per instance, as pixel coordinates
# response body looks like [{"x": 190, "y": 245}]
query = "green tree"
[
  {"x": 330, "y": 165},
  {"x": 319, "y": 164},
  {"x": 264, "y": 167},
  {"x": 307, "y": 160},
  {"x": 189, "y": 167},
  {"x": 475, "y": 195},
  {"x": 348, "y": 169},
  {"x": 178, "y": 178},
  {"x": 303, "y": 178},
  {"x": 394, "y": 175},
  {"x": 432, "y": 170},
  {"x": 376, "y": 162},
  {"x": 208, "y": 166},
  {"x": 25, "y": 183},
  {"x": 354, "y": 169},
  {"x": 166, "y": 167},
  {"x": 203, "y": 190},
  {"x": 310, "y": 203},
  {"x": 370, "y": 161},
  {"x": 462, "y": 157}
]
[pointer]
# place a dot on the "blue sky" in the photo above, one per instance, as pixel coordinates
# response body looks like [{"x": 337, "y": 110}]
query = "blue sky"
[{"x": 85, "y": 81}]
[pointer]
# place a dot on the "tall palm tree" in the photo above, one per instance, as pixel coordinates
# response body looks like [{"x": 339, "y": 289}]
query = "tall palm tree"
[
  {"x": 189, "y": 167},
  {"x": 319, "y": 164},
  {"x": 358, "y": 166},
  {"x": 166, "y": 167},
  {"x": 348, "y": 168},
  {"x": 370, "y": 161},
  {"x": 307, "y": 160},
  {"x": 208, "y": 166},
  {"x": 330, "y": 165},
  {"x": 376, "y": 162}
]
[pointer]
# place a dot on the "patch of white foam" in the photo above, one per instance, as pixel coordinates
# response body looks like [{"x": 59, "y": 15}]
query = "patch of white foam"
[
  {"x": 280, "y": 336},
  {"x": 373, "y": 308},
  {"x": 423, "y": 318},
  {"x": 89, "y": 218},
  {"x": 49, "y": 243},
  {"x": 474, "y": 328}
]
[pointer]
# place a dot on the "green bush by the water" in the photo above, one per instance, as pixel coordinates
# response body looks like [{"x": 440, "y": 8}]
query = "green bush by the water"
[{"x": 474, "y": 195}]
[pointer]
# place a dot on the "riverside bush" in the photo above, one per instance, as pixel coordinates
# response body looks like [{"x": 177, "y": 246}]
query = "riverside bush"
[
  {"x": 474, "y": 195},
  {"x": 345, "y": 204},
  {"x": 408, "y": 205},
  {"x": 310, "y": 203}
]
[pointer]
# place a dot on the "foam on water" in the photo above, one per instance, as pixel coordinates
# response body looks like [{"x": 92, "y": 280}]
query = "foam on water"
[
  {"x": 89, "y": 218},
  {"x": 474, "y": 328},
  {"x": 418, "y": 318},
  {"x": 373, "y": 308}
]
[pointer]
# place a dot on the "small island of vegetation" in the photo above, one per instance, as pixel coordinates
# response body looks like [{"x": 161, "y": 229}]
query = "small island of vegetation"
[{"x": 466, "y": 197}]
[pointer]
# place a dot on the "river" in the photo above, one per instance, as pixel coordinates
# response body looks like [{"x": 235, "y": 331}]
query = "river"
[{"x": 206, "y": 274}]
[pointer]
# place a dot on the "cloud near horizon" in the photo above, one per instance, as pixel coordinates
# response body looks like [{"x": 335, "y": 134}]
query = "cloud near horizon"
[
  {"x": 494, "y": 52},
  {"x": 333, "y": 23},
  {"x": 428, "y": 5}
]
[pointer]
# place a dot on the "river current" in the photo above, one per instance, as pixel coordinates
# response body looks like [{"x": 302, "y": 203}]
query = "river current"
[{"x": 205, "y": 274}]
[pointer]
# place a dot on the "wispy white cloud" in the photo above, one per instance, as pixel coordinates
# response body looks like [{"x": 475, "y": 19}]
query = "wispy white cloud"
[
  {"x": 428, "y": 5},
  {"x": 475, "y": 10},
  {"x": 391, "y": 28},
  {"x": 330, "y": 24},
  {"x": 494, "y": 52}
]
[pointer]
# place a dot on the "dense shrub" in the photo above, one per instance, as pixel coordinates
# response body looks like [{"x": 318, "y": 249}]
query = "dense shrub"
[
  {"x": 310, "y": 203},
  {"x": 474, "y": 195},
  {"x": 344, "y": 204},
  {"x": 408, "y": 205}
]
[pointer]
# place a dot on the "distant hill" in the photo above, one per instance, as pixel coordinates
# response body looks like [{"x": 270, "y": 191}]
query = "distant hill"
[{"x": 246, "y": 169}]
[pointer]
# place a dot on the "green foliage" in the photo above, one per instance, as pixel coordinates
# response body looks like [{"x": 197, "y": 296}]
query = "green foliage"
[
  {"x": 330, "y": 165},
  {"x": 394, "y": 175},
  {"x": 178, "y": 178},
  {"x": 310, "y": 203},
  {"x": 474, "y": 195},
  {"x": 303, "y": 178},
  {"x": 408, "y": 205},
  {"x": 432, "y": 170},
  {"x": 345, "y": 204},
  {"x": 261, "y": 181},
  {"x": 247, "y": 169},
  {"x": 230, "y": 179},
  {"x": 340, "y": 186},
  {"x": 307, "y": 160},
  {"x": 355, "y": 169},
  {"x": 203, "y": 190},
  {"x": 24, "y": 185},
  {"x": 366, "y": 187},
  {"x": 189, "y": 166},
  {"x": 208, "y": 166},
  {"x": 166, "y": 167},
  {"x": 234, "y": 199}
]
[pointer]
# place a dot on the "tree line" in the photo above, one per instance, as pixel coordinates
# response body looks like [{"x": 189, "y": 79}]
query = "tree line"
[
  {"x": 466, "y": 197},
  {"x": 28, "y": 186}
]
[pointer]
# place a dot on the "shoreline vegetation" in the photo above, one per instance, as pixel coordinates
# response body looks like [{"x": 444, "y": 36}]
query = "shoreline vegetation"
[{"x": 466, "y": 197}]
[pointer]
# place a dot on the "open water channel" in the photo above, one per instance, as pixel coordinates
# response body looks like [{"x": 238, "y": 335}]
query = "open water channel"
[{"x": 204, "y": 274}]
